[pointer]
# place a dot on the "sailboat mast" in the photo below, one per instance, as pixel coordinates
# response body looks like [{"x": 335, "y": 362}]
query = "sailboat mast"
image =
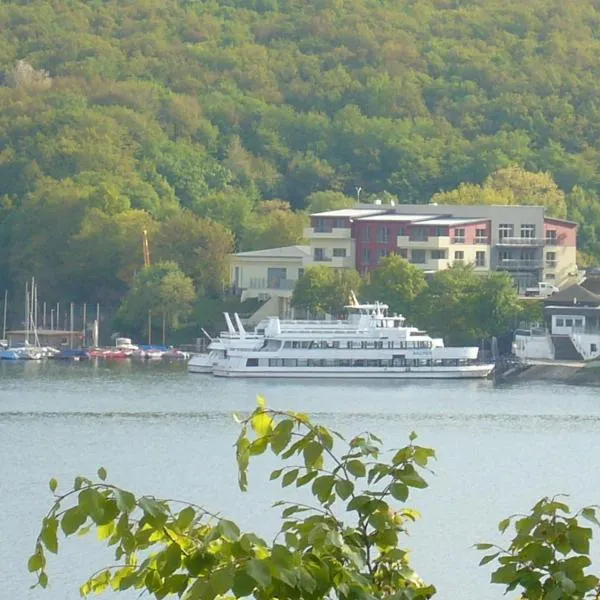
[
  {"x": 27, "y": 312},
  {"x": 4, "y": 316}
]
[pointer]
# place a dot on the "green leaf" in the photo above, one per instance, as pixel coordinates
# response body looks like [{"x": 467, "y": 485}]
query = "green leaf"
[
  {"x": 281, "y": 436},
  {"x": 72, "y": 520},
  {"x": 488, "y": 558},
  {"x": 102, "y": 473},
  {"x": 43, "y": 580},
  {"x": 312, "y": 453},
  {"x": 152, "y": 508},
  {"x": 413, "y": 436},
  {"x": 222, "y": 580},
  {"x": 306, "y": 478},
  {"x": 483, "y": 546},
  {"x": 53, "y": 484},
  {"x": 289, "y": 477},
  {"x": 502, "y": 526},
  {"x": 35, "y": 562},
  {"x": 243, "y": 584},
  {"x": 322, "y": 487},
  {"x": 579, "y": 537},
  {"x": 344, "y": 488},
  {"x": 105, "y": 531},
  {"x": 399, "y": 491},
  {"x": 590, "y": 514},
  {"x": 505, "y": 574},
  {"x": 228, "y": 529},
  {"x": 259, "y": 571},
  {"x": 125, "y": 501},
  {"x": 275, "y": 474},
  {"x": 258, "y": 446},
  {"x": 185, "y": 517},
  {"x": 261, "y": 423},
  {"x": 48, "y": 534},
  {"x": 356, "y": 468}
]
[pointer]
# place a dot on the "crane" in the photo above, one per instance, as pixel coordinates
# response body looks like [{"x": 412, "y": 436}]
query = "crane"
[{"x": 146, "y": 248}]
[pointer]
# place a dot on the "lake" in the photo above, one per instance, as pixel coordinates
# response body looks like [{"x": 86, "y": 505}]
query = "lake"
[{"x": 158, "y": 430}]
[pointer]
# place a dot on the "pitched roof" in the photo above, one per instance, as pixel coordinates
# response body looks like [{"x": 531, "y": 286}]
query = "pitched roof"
[
  {"x": 592, "y": 283},
  {"x": 282, "y": 252},
  {"x": 574, "y": 294}
]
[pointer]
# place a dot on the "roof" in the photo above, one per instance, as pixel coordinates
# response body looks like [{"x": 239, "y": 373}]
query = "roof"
[
  {"x": 592, "y": 284},
  {"x": 350, "y": 213},
  {"x": 395, "y": 217},
  {"x": 282, "y": 252},
  {"x": 562, "y": 221},
  {"x": 574, "y": 294},
  {"x": 452, "y": 221}
]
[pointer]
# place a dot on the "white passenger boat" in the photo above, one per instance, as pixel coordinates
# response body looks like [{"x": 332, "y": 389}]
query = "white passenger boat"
[{"x": 369, "y": 344}]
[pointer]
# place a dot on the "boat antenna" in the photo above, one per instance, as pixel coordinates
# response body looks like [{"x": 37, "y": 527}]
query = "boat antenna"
[{"x": 206, "y": 334}]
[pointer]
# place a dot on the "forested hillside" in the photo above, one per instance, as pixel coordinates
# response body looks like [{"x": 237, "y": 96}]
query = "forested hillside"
[{"x": 189, "y": 118}]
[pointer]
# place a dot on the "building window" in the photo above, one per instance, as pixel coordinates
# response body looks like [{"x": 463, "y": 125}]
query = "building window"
[
  {"x": 459, "y": 235},
  {"x": 340, "y": 223},
  {"x": 480, "y": 259},
  {"x": 275, "y": 277},
  {"x": 505, "y": 231},
  {"x": 550, "y": 276},
  {"x": 551, "y": 237},
  {"x": 365, "y": 234},
  {"x": 593, "y": 348},
  {"x": 550, "y": 260},
  {"x": 322, "y": 226},
  {"x": 438, "y": 254},
  {"x": 418, "y": 234},
  {"x": 319, "y": 254},
  {"x": 403, "y": 252},
  {"x": 527, "y": 231},
  {"x": 300, "y": 272},
  {"x": 568, "y": 322},
  {"x": 578, "y": 322},
  {"x": 402, "y": 231},
  {"x": 366, "y": 256},
  {"x": 383, "y": 252},
  {"x": 339, "y": 252},
  {"x": 441, "y": 231},
  {"x": 383, "y": 234},
  {"x": 459, "y": 255},
  {"x": 418, "y": 257},
  {"x": 481, "y": 236},
  {"x": 560, "y": 323}
]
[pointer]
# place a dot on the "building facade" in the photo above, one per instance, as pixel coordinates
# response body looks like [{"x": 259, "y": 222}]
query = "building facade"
[
  {"x": 520, "y": 240},
  {"x": 270, "y": 276}
]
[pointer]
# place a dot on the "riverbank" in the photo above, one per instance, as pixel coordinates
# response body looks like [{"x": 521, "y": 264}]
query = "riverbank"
[{"x": 569, "y": 372}]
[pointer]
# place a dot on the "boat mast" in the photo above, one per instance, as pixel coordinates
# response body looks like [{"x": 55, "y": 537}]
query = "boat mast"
[{"x": 4, "y": 316}]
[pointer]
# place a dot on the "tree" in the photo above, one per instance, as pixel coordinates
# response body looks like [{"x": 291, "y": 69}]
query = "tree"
[
  {"x": 329, "y": 200},
  {"x": 549, "y": 554},
  {"x": 273, "y": 224},
  {"x": 166, "y": 548},
  {"x": 464, "y": 307},
  {"x": 201, "y": 248},
  {"x": 396, "y": 282},
  {"x": 162, "y": 290},
  {"x": 323, "y": 290}
]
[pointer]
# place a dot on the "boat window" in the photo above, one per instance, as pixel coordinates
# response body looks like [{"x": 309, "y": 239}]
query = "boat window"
[
  {"x": 287, "y": 345},
  {"x": 252, "y": 362},
  {"x": 335, "y": 344},
  {"x": 349, "y": 345},
  {"x": 260, "y": 331}
]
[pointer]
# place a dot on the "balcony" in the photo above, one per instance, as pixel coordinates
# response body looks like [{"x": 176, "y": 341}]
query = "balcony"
[
  {"x": 520, "y": 263},
  {"x": 332, "y": 233},
  {"x": 522, "y": 241},
  {"x": 271, "y": 284},
  {"x": 433, "y": 242},
  {"x": 321, "y": 258},
  {"x": 482, "y": 240}
]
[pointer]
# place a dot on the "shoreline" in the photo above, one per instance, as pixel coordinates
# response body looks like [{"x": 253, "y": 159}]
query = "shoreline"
[{"x": 569, "y": 372}]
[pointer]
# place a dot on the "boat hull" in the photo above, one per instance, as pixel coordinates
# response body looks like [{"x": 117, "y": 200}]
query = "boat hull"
[{"x": 467, "y": 372}]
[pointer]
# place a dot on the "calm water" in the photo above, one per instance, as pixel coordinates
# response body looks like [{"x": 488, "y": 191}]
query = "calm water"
[{"x": 159, "y": 430}]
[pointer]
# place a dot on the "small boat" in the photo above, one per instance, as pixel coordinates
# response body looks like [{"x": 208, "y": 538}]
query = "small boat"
[
  {"x": 72, "y": 354},
  {"x": 9, "y": 354}
]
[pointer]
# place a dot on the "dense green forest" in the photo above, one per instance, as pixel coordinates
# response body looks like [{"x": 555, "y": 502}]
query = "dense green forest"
[{"x": 214, "y": 124}]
